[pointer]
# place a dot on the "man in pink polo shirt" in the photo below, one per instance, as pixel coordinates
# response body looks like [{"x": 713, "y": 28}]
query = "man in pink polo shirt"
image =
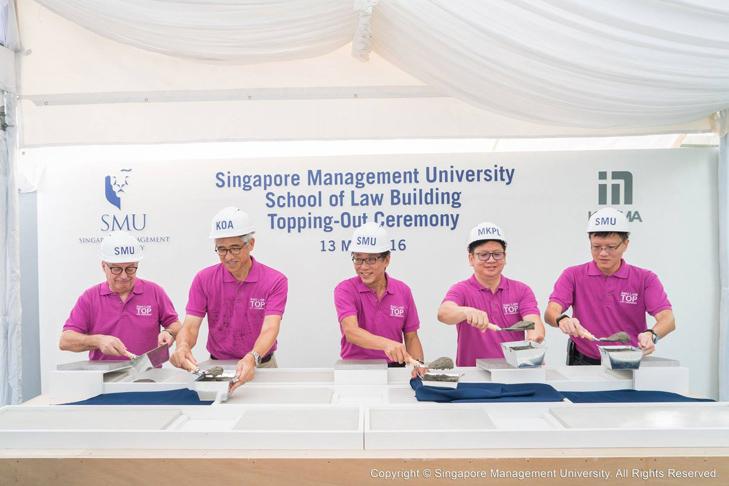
[
  {"x": 377, "y": 314},
  {"x": 488, "y": 300},
  {"x": 121, "y": 317},
  {"x": 243, "y": 299},
  {"x": 607, "y": 295}
]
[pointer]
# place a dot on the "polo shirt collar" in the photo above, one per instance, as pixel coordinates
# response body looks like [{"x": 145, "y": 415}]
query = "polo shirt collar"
[
  {"x": 622, "y": 272},
  {"x": 362, "y": 288},
  {"x": 503, "y": 283},
  {"x": 253, "y": 274},
  {"x": 137, "y": 289}
]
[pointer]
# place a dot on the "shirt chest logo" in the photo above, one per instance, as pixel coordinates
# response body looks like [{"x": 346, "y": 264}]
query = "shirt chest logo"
[
  {"x": 397, "y": 311},
  {"x": 511, "y": 309},
  {"x": 144, "y": 310},
  {"x": 257, "y": 304},
  {"x": 629, "y": 298}
]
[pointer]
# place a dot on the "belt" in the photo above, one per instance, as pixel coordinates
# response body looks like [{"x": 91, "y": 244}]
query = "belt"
[{"x": 265, "y": 359}]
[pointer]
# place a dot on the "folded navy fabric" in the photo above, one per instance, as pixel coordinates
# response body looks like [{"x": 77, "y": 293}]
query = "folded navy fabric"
[
  {"x": 183, "y": 396},
  {"x": 626, "y": 396},
  {"x": 486, "y": 392}
]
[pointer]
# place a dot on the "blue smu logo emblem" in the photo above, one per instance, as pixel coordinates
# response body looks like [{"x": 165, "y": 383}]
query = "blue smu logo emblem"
[{"x": 114, "y": 187}]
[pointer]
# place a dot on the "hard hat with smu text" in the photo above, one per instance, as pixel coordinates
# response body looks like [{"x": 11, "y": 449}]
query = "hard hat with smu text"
[
  {"x": 609, "y": 220},
  {"x": 230, "y": 221},
  {"x": 370, "y": 238},
  {"x": 486, "y": 231},
  {"x": 120, "y": 247}
]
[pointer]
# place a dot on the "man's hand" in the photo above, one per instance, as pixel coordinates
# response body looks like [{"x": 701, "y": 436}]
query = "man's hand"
[
  {"x": 244, "y": 372},
  {"x": 183, "y": 358},
  {"x": 572, "y": 327},
  {"x": 112, "y": 346},
  {"x": 645, "y": 342},
  {"x": 165, "y": 337},
  {"x": 396, "y": 352},
  {"x": 476, "y": 318}
]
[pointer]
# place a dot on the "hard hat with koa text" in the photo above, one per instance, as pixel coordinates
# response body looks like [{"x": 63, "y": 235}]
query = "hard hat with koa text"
[{"x": 230, "y": 221}]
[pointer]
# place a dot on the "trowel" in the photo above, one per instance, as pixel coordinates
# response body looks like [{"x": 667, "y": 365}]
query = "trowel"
[
  {"x": 516, "y": 327},
  {"x": 151, "y": 359}
]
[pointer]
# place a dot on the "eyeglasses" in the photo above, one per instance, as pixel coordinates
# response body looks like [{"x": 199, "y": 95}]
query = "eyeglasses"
[
  {"x": 484, "y": 256},
  {"x": 609, "y": 249},
  {"x": 119, "y": 270},
  {"x": 370, "y": 260},
  {"x": 234, "y": 250}
]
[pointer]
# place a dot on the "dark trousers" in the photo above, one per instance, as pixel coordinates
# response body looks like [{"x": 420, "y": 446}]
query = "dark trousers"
[{"x": 575, "y": 358}]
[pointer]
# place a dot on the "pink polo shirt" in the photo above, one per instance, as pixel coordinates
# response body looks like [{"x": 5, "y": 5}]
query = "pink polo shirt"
[
  {"x": 390, "y": 317},
  {"x": 508, "y": 305},
  {"x": 135, "y": 322},
  {"x": 236, "y": 309},
  {"x": 605, "y": 305}
]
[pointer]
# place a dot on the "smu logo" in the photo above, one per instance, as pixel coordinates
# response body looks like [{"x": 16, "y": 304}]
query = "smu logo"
[
  {"x": 629, "y": 298},
  {"x": 257, "y": 304},
  {"x": 397, "y": 311},
  {"x": 144, "y": 310},
  {"x": 114, "y": 190},
  {"x": 114, "y": 187},
  {"x": 511, "y": 309},
  {"x": 367, "y": 240},
  {"x": 124, "y": 250}
]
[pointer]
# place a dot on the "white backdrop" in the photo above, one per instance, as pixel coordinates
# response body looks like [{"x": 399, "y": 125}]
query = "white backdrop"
[{"x": 543, "y": 210}]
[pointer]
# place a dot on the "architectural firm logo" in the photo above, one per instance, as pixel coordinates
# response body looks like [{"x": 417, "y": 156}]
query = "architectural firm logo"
[
  {"x": 616, "y": 188},
  {"x": 114, "y": 186}
]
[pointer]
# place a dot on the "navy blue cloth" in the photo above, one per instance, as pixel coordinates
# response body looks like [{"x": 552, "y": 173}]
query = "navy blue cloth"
[
  {"x": 626, "y": 396},
  {"x": 183, "y": 396},
  {"x": 486, "y": 392}
]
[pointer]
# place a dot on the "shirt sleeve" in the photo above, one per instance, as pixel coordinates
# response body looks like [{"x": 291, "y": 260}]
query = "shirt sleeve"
[
  {"x": 277, "y": 296},
  {"x": 528, "y": 302},
  {"x": 80, "y": 318},
  {"x": 412, "y": 321},
  {"x": 656, "y": 299},
  {"x": 167, "y": 313},
  {"x": 345, "y": 300},
  {"x": 564, "y": 290},
  {"x": 455, "y": 294},
  {"x": 197, "y": 300}
]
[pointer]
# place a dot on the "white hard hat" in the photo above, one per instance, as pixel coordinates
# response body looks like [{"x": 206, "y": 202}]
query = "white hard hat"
[
  {"x": 370, "y": 238},
  {"x": 120, "y": 247},
  {"x": 609, "y": 220},
  {"x": 486, "y": 231},
  {"x": 230, "y": 221}
]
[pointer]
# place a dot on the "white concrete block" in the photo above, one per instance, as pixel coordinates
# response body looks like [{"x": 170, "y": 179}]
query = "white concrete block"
[{"x": 674, "y": 379}]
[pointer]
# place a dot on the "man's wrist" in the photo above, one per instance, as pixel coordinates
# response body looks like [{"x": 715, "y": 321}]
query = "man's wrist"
[
  {"x": 168, "y": 332},
  {"x": 560, "y": 317},
  {"x": 256, "y": 356},
  {"x": 654, "y": 335}
]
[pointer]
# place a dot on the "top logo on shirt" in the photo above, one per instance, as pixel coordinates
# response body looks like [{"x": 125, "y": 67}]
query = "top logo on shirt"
[
  {"x": 144, "y": 310},
  {"x": 397, "y": 311},
  {"x": 257, "y": 304},
  {"x": 628, "y": 297},
  {"x": 511, "y": 309}
]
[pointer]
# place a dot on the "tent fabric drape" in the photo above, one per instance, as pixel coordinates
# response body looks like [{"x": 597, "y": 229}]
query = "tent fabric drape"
[
  {"x": 242, "y": 31},
  {"x": 723, "y": 176},
  {"x": 599, "y": 64},
  {"x": 10, "y": 321}
]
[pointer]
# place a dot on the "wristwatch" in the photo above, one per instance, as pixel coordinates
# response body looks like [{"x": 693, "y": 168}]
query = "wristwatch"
[
  {"x": 563, "y": 316},
  {"x": 256, "y": 356},
  {"x": 655, "y": 336}
]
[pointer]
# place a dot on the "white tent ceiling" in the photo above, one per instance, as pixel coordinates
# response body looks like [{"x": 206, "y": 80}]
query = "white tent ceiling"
[{"x": 78, "y": 87}]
